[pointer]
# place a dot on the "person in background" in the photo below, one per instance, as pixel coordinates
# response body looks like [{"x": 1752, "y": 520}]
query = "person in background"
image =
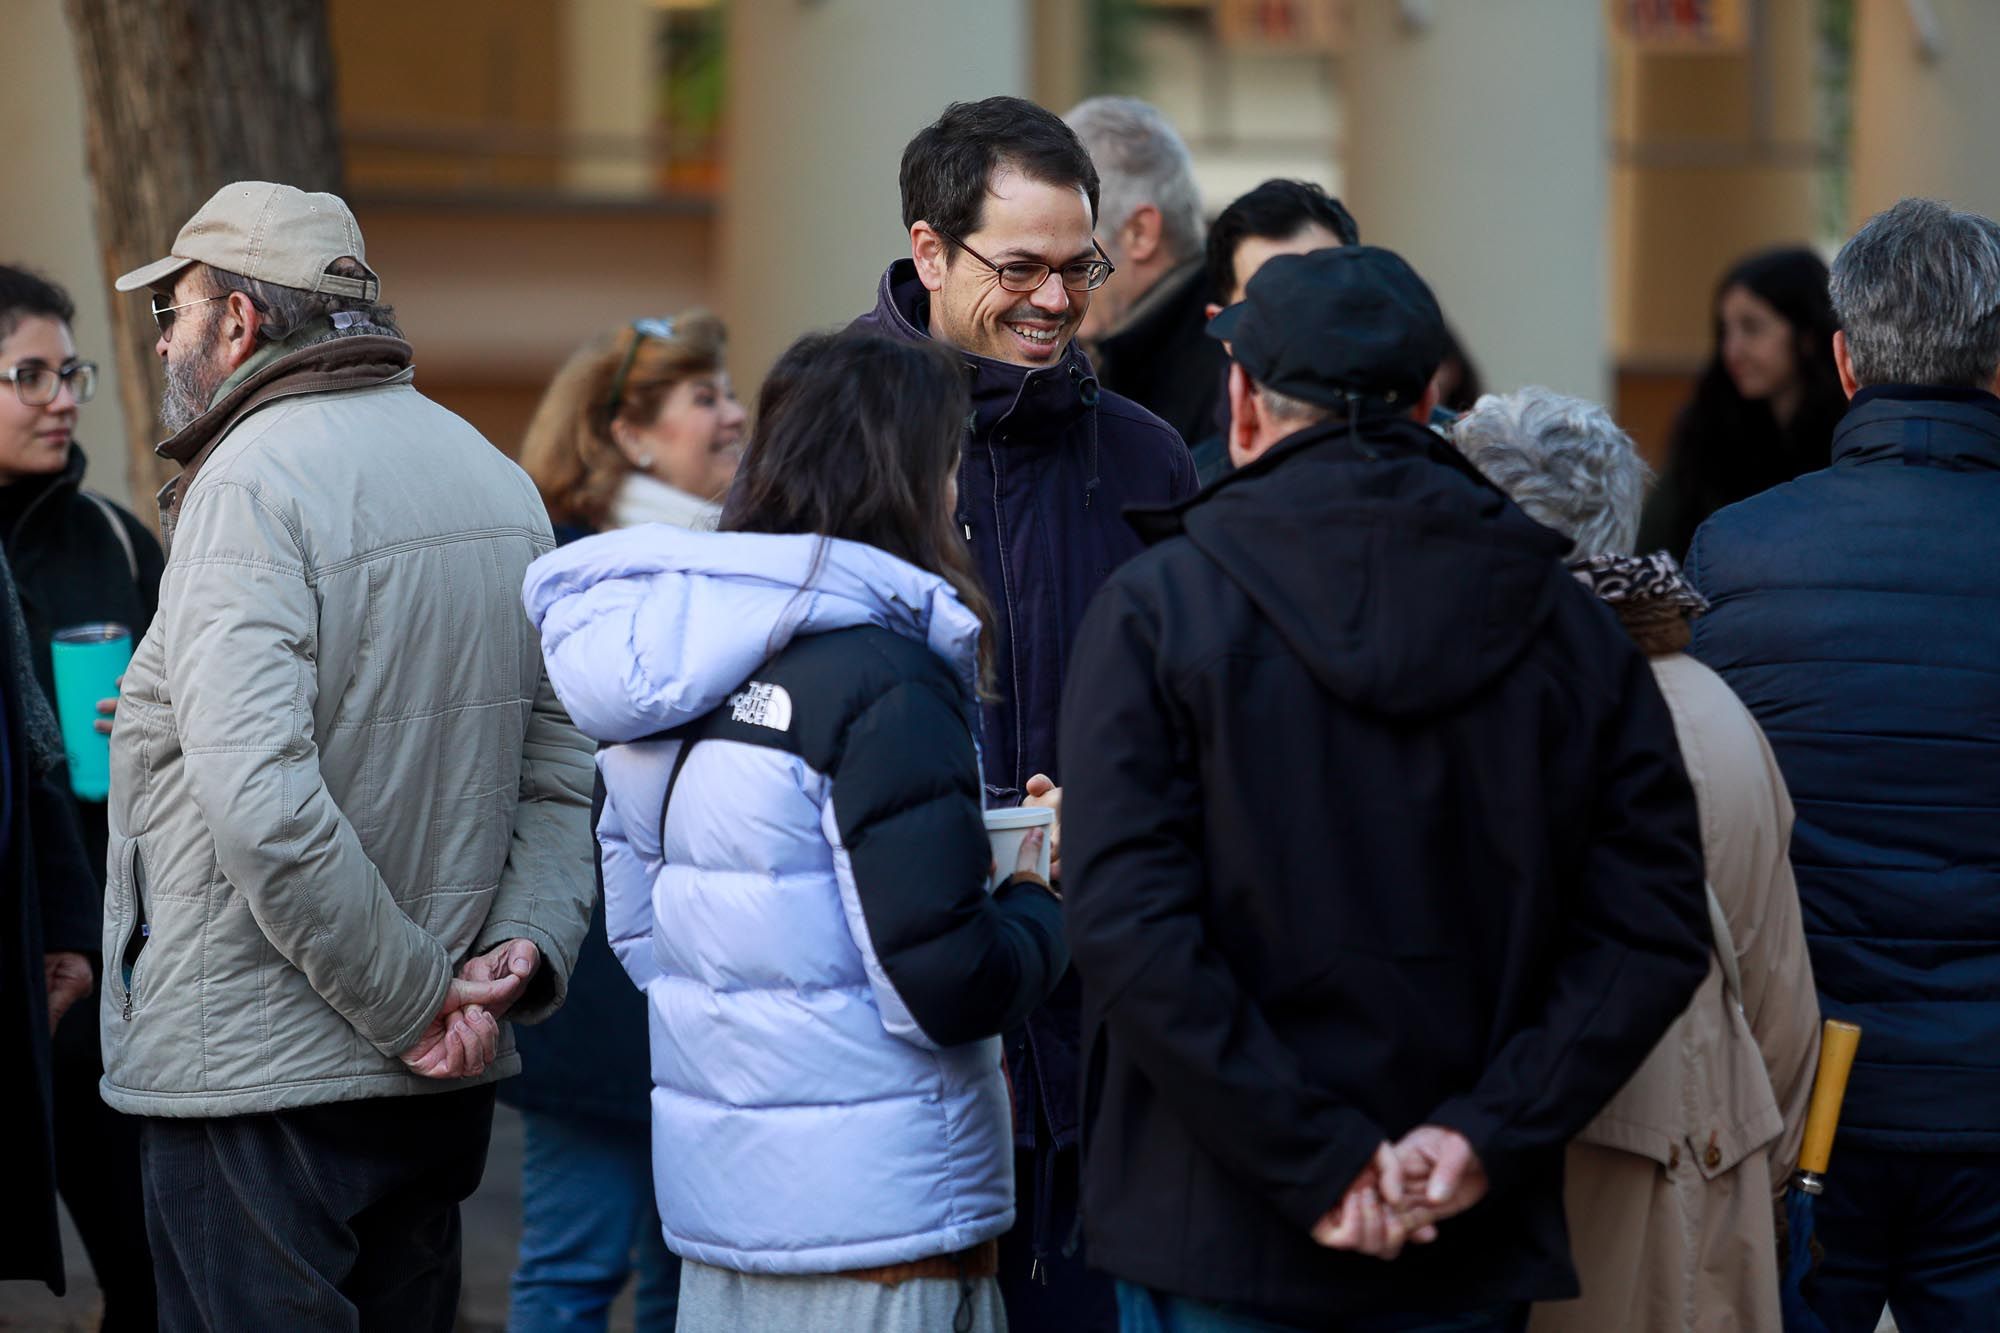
[
  {"x": 1673, "y": 1191},
  {"x": 349, "y": 829},
  {"x": 638, "y": 426},
  {"x": 1279, "y": 217},
  {"x": 1855, "y": 614},
  {"x": 78, "y": 559},
  {"x": 1000, "y": 199},
  {"x": 1310, "y": 1038},
  {"x": 1766, "y": 405},
  {"x": 48, "y": 948},
  {"x": 796, "y": 869},
  {"x": 1145, "y": 328}
]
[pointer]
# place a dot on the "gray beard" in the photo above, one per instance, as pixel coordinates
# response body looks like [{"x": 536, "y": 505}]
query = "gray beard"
[{"x": 185, "y": 396}]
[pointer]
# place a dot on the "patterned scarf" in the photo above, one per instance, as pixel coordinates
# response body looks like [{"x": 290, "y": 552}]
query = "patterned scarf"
[
  {"x": 1652, "y": 597},
  {"x": 24, "y": 692}
]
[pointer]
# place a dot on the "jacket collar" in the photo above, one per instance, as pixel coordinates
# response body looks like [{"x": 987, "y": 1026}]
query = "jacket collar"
[
  {"x": 1158, "y": 317},
  {"x": 1958, "y": 430},
  {"x": 357, "y": 362},
  {"x": 35, "y": 493},
  {"x": 1033, "y": 403}
]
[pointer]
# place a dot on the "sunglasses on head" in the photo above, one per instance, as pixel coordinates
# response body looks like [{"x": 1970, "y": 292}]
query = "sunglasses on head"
[{"x": 642, "y": 329}]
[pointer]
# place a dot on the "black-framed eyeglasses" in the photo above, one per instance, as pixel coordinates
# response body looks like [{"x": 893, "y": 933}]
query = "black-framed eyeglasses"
[
  {"x": 37, "y": 386},
  {"x": 642, "y": 329},
  {"x": 1083, "y": 275},
  {"x": 164, "y": 315}
]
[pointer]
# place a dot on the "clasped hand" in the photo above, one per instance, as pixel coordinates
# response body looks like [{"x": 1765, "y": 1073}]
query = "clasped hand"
[
  {"x": 1403, "y": 1193},
  {"x": 465, "y": 1036}
]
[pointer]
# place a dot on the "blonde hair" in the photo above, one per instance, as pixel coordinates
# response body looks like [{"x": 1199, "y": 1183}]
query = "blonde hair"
[{"x": 569, "y": 450}]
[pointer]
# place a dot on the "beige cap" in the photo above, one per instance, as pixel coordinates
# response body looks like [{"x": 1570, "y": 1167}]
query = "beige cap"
[{"x": 273, "y": 233}]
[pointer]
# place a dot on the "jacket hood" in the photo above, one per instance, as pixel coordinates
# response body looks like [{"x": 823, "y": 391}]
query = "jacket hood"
[
  {"x": 1403, "y": 580},
  {"x": 1035, "y": 401},
  {"x": 647, "y": 628}
]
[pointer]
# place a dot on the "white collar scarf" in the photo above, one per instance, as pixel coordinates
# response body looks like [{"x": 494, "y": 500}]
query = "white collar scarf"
[{"x": 647, "y": 499}]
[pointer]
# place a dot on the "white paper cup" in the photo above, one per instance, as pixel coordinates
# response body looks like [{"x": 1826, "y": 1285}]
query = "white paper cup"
[{"x": 1004, "y": 831}]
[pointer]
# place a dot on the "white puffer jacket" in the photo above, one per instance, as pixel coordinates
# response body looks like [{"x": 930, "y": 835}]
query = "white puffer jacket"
[{"x": 825, "y": 970}]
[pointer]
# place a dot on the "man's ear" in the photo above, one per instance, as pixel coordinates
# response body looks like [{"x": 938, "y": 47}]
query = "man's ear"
[
  {"x": 931, "y": 253},
  {"x": 1244, "y": 418},
  {"x": 1139, "y": 238},
  {"x": 1844, "y": 363},
  {"x": 238, "y": 335}
]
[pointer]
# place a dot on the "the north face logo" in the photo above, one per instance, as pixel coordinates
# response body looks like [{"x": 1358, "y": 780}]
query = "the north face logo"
[{"x": 762, "y": 705}]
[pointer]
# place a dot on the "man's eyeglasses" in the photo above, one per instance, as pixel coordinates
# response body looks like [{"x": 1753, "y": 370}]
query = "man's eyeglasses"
[
  {"x": 1085, "y": 275},
  {"x": 642, "y": 329},
  {"x": 37, "y": 386},
  {"x": 164, "y": 315}
]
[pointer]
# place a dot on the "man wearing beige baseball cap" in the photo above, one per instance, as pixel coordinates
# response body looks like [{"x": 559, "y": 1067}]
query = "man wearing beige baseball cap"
[{"x": 349, "y": 820}]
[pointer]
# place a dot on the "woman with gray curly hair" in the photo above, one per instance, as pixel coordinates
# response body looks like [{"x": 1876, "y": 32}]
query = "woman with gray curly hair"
[{"x": 1674, "y": 1191}]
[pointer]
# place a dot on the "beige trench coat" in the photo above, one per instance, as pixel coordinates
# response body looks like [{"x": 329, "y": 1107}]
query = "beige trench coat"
[{"x": 1670, "y": 1191}]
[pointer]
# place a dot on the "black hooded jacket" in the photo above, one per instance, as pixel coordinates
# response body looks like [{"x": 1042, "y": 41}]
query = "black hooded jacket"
[{"x": 1375, "y": 819}]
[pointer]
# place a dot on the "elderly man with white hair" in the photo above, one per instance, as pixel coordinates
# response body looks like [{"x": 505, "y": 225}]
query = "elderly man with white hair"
[
  {"x": 1145, "y": 328},
  {"x": 1672, "y": 1191}
]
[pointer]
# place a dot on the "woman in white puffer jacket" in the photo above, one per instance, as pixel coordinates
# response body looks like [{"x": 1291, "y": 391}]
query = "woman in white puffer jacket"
[{"x": 795, "y": 863}]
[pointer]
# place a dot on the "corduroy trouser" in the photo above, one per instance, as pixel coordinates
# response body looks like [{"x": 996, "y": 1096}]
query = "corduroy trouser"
[{"x": 340, "y": 1217}]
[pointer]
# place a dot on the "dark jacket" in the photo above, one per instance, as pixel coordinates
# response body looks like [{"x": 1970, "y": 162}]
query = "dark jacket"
[
  {"x": 1857, "y": 613},
  {"x": 1051, "y": 462},
  {"x": 47, "y": 904},
  {"x": 1375, "y": 819},
  {"x": 589, "y": 1057},
  {"x": 78, "y": 559},
  {"x": 1162, "y": 357}
]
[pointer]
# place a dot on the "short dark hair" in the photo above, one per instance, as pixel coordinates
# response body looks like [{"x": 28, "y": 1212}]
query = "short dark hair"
[
  {"x": 857, "y": 437},
  {"x": 948, "y": 167},
  {"x": 1274, "y": 211},
  {"x": 23, "y": 294}
]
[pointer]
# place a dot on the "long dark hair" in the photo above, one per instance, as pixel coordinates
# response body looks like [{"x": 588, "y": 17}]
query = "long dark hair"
[
  {"x": 857, "y": 437},
  {"x": 1727, "y": 447}
]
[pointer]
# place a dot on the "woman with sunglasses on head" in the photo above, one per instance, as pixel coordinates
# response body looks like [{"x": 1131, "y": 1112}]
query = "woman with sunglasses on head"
[
  {"x": 796, "y": 871},
  {"x": 640, "y": 426},
  {"x": 77, "y": 559}
]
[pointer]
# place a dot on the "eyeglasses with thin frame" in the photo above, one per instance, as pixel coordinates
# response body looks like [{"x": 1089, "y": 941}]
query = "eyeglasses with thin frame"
[
  {"x": 164, "y": 316},
  {"x": 37, "y": 386},
  {"x": 1084, "y": 275},
  {"x": 642, "y": 329}
]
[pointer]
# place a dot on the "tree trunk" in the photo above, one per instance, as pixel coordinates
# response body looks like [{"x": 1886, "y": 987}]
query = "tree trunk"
[{"x": 180, "y": 98}]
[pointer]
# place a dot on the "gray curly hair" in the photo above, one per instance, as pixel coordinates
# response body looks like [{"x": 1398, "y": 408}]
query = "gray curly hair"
[{"x": 1564, "y": 461}]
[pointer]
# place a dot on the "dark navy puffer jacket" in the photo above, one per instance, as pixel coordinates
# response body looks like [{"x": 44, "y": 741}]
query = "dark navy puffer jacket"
[{"x": 1857, "y": 613}]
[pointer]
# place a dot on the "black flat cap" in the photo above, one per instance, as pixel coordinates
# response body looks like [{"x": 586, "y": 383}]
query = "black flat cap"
[{"x": 1352, "y": 322}]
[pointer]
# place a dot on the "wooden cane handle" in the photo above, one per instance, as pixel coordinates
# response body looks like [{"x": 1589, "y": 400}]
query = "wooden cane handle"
[{"x": 1836, "y": 1060}]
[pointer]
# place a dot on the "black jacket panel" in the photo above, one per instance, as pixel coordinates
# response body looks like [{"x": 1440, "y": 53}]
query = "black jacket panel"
[
  {"x": 885, "y": 720},
  {"x": 1375, "y": 819},
  {"x": 1163, "y": 358}
]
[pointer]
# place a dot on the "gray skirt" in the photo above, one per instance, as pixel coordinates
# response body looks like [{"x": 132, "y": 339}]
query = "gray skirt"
[{"x": 719, "y": 1300}]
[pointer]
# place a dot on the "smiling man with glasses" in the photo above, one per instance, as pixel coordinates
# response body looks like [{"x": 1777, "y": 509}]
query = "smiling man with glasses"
[
  {"x": 349, "y": 828},
  {"x": 1000, "y": 201}
]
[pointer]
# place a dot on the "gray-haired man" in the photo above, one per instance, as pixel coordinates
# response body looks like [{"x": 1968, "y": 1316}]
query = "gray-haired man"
[
  {"x": 348, "y": 817},
  {"x": 1857, "y": 612},
  {"x": 1145, "y": 327}
]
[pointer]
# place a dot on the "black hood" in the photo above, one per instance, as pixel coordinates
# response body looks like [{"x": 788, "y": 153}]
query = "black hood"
[
  {"x": 1402, "y": 578},
  {"x": 1035, "y": 401}
]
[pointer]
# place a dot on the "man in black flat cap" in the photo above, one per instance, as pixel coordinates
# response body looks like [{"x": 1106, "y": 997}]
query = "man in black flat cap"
[{"x": 1384, "y": 873}]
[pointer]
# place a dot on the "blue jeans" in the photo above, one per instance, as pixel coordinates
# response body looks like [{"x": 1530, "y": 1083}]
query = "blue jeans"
[
  {"x": 1918, "y": 1231},
  {"x": 1143, "y": 1310},
  {"x": 587, "y": 1220}
]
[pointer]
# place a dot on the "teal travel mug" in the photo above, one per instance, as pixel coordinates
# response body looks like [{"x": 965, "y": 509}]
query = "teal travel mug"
[{"x": 89, "y": 659}]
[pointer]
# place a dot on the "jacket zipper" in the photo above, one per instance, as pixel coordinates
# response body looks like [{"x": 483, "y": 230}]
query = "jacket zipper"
[
  {"x": 1017, "y": 778},
  {"x": 136, "y": 935}
]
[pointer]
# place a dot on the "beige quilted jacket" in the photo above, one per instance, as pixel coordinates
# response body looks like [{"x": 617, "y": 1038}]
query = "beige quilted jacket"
[{"x": 337, "y": 769}]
